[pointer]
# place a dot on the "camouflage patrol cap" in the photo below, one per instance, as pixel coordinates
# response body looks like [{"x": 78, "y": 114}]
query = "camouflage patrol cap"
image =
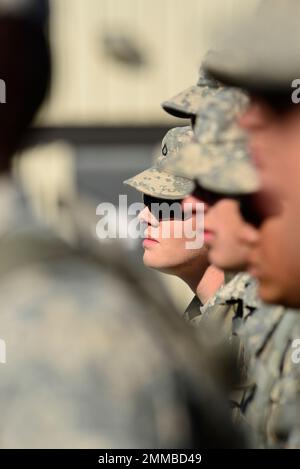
[
  {"x": 218, "y": 160},
  {"x": 159, "y": 183},
  {"x": 262, "y": 53},
  {"x": 185, "y": 104}
]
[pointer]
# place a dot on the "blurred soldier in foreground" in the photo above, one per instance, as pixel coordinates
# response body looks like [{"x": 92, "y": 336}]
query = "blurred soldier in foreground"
[
  {"x": 266, "y": 63},
  {"x": 173, "y": 242},
  {"x": 96, "y": 357}
]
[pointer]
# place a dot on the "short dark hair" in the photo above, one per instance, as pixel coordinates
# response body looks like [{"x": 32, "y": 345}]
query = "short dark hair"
[{"x": 25, "y": 66}]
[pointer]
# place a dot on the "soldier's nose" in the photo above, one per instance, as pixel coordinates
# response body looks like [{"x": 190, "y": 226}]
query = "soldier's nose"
[{"x": 145, "y": 216}]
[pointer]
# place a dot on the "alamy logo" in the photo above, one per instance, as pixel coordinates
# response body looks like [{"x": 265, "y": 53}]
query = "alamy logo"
[
  {"x": 296, "y": 93},
  {"x": 123, "y": 221},
  {"x": 2, "y": 92},
  {"x": 296, "y": 352},
  {"x": 2, "y": 351}
]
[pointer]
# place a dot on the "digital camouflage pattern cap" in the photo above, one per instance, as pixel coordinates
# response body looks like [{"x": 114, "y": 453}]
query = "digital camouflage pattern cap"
[
  {"x": 159, "y": 183},
  {"x": 262, "y": 53},
  {"x": 219, "y": 159},
  {"x": 186, "y": 104}
]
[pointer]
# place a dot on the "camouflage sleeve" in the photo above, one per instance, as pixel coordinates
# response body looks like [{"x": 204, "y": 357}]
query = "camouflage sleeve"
[
  {"x": 284, "y": 418},
  {"x": 272, "y": 402}
]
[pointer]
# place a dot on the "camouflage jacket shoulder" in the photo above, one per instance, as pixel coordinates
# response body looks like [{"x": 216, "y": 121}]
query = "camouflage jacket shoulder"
[
  {"x": 234, "y": 289},
  {"x": 227, "y": 303}
]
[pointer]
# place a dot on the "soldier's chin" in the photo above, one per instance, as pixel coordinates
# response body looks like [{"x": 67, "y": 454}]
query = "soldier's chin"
[
  {"x": 156, "y": 263},
  {"x": 152, "y": 260}
]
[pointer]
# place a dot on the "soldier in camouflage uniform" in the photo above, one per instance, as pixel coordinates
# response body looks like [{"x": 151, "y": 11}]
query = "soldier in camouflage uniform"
[
  {"x": 171, "y": 255},
  {"x": 268, "y": 71},
  {"x": 96, "y": 355},
  {"x": 270, "y": 403},
  {"x": 271, "y": 74},
  {"x": 216, "y": 138},
  {"x": 186, "y": 105}
]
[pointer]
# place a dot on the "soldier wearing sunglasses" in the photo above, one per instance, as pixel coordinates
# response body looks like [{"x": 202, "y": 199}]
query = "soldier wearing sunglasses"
[{"x": 174, "y": 231}]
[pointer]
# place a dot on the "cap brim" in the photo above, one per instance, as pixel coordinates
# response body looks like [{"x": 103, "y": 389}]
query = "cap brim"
[
  {"x": 161, "y": 184},
  {"x": 186, "y": 104}
]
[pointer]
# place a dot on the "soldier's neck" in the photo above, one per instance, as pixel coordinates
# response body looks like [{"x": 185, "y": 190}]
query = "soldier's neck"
[
  {"x": 211, "y": 281},
  {"x": 205, "y": 283}
]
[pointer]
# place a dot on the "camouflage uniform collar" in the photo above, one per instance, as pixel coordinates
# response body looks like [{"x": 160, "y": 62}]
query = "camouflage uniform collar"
[
  {"x": 194, "y": 309},
  {"x": 251, "y": 298},
  {"x": 234, "y": 289}
]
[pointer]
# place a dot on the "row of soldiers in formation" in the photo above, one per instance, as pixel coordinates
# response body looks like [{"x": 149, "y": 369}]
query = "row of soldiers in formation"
[
  {"x": 96, "y": 355},
  {"x": 240, "y": 157}
]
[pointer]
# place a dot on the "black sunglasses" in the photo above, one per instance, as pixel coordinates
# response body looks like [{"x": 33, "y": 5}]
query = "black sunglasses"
[
  {"x": 249, "y": 212},
  {"x": 257, "y": 207},
  {"x": 211, "y": 198},
  {"x": 280, "y": 102},
  {"x": 164, "y": 209}
]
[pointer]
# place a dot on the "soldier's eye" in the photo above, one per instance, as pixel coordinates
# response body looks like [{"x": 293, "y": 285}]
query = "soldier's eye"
[
  {"x": 258, "y": 207},
  {"x": 250, "y": 214},
  {"x": 280, "y": 103}
]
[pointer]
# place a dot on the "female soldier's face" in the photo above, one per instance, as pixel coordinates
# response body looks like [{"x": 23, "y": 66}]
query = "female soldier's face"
[
  {"x": 223, "y": 222},
  {"x": 166, "y": 240}
]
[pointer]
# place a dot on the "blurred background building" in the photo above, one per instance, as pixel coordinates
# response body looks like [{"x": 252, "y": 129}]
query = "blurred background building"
[{"x": 114, "y": 62}]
